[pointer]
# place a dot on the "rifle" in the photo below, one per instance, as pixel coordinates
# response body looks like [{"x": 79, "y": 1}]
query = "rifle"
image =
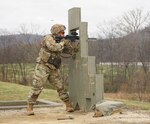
[{"x": 72, "y": 38}]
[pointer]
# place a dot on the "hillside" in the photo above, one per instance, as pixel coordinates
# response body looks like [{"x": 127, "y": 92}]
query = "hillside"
[{"x": 10, "y": 91}]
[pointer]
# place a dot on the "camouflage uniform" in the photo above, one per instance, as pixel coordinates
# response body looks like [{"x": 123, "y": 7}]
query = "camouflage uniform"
[{"x": 47, "y": 68}]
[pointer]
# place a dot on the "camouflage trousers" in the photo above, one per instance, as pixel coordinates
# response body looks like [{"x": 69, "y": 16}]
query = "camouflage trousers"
[{"x": 41, "y": 75}]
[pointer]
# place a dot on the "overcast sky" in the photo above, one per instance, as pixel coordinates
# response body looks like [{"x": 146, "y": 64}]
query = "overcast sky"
[{"x": 42, "y": 14}]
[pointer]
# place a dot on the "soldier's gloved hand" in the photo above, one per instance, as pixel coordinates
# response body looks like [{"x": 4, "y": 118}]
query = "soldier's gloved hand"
[
  {"x": 62, "y": 43},
  {"x": 66, "y": 42}
]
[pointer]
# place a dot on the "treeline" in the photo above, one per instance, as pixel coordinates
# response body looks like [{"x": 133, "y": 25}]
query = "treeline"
[
  {"x": 16, "y": 52},
  {"x": 131, "y": 48},
  {"x": 22, "y": 48},
  {"x": 121, "y": 56},
  {"x": 125, "y": 61}
]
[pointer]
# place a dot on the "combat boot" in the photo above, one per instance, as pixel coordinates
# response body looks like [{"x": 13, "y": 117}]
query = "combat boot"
[
  {"x": 30, "y": 109},
  {"x": 69, "y": 107}
]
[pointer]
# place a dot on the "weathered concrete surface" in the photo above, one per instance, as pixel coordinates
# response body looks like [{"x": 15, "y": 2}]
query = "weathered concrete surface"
[{"x": 85, "y": 85}]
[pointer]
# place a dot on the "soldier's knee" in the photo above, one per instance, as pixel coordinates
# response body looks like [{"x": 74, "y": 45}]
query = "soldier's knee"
[
  {"x": 37, "y": 87},
  {"x": 37, "y": 84}
]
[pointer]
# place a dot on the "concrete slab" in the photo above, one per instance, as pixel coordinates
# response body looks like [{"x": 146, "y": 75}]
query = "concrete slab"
[{"x": 19, "y": 104}]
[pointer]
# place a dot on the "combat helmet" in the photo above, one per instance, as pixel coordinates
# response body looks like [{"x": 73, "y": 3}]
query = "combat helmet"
[{"x": 55, "y": 29}]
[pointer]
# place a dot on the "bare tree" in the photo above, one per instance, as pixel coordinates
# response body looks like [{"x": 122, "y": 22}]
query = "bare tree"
[
  {"x": 133, "y": 21},
  {"x": 124, "y": 43},
  {"x": 108, "y": 30}
]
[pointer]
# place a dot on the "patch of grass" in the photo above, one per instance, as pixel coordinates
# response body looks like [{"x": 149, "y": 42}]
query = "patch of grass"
[
  {"x": 10, "y": 91},
  {"x": 137, "y": 104},
  {"x": 132, "y": 104}
]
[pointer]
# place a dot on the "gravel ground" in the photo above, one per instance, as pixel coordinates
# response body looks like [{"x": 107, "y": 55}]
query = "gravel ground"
[{"x": 51, "y": 115}]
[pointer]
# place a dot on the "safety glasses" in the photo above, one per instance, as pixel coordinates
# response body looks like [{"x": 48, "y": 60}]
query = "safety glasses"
[{"x": 62, "y": 32}]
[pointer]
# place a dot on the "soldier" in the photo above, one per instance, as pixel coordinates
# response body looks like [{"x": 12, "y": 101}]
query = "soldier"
[{"x": 47, "y": 67}]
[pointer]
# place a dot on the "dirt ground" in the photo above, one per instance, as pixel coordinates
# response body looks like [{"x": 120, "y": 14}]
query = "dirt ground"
[{"x": 51, "y": 116}]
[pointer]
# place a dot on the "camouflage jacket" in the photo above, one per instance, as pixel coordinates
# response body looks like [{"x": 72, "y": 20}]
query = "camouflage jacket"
[{"x": 49, "y": 49}]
